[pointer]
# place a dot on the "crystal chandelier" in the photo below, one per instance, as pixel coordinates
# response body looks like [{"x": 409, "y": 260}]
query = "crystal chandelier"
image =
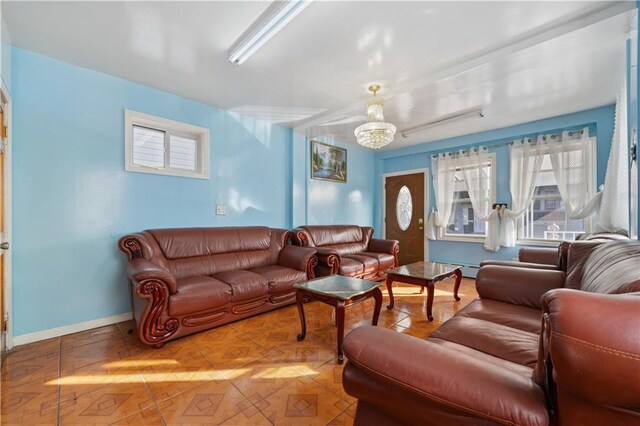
[{"x": 375, "y": 133}]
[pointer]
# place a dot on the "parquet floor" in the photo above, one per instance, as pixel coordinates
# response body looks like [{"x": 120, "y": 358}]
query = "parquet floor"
[{"x": 252, "y": 372}]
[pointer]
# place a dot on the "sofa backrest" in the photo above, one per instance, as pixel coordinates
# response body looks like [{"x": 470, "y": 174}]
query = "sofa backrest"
[
  {"x": 612, "y": 268},
  {"x": 345, "y": 239},
  {"x": 604, "y": 236},
  {"x": 189, "y": 252},
  {"x": 577, "y": 253}
]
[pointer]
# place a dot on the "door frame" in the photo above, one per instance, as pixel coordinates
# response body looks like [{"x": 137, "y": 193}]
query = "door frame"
[
  {"x": 426, "y": 203},
  {"x": 5, "y": 98}
]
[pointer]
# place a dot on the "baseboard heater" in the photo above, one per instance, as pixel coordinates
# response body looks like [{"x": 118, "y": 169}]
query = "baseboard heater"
[{"x": 469, "y": 271}]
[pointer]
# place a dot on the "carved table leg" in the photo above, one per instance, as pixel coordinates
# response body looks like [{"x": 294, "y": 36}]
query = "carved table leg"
[
  {"x": 430, "y": 292},
  {"x": 456, "y": 286},
  {"x": 340, "y": 320},
  {"x": 377, "y": 295},
  {"x": 303, "y": 324},
  {"x": 390, "y": 290}
]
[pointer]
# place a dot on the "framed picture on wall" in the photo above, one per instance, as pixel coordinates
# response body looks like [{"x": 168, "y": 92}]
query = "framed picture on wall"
[{"x": 328, "y": 162}]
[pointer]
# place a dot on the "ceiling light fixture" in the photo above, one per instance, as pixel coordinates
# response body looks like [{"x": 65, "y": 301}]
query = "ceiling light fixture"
[
  {"x": 375, "y": 133},
  {"x": 279, "y": 14},
  {"x": 444, "y": 120}
]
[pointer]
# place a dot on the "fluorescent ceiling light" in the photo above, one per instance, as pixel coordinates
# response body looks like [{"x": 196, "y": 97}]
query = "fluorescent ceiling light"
[
  {"x": 279, "y": 14},
  {"x": 444, "y": 120}
]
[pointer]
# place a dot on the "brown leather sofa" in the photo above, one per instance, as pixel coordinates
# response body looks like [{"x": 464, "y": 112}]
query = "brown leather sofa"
[
  {"x": 191, "y": 279},
  {"x": 538, "y": 347},
  {"x": 553, "y": 257},
  {"x": 348, "y": 250}
]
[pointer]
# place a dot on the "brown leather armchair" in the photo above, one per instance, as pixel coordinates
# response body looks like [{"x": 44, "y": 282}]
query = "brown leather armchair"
[
  {"x": 527, "y": 352},
  {"x": 192, "y": 279},
  {"x": 348, "y": 250}
]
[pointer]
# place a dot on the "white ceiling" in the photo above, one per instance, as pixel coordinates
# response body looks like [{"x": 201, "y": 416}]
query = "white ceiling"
[{"x": 519, "y": 61}]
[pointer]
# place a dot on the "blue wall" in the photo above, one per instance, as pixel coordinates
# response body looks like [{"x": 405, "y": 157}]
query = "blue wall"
[
  {"x": 346, "y": 203},
  {"x": 73, "y": 199},
  {"x": 599, "y": 120}
]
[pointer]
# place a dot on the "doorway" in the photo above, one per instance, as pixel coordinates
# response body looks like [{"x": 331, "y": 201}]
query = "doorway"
[
  {"x": 5, "y": 214},
  {"x": 404, "y": 211}
]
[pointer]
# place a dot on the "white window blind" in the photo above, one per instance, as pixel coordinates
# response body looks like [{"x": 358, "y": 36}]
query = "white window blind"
[
  {"x": 148, "y": 147},
  {"x": 182, "y": 153}
]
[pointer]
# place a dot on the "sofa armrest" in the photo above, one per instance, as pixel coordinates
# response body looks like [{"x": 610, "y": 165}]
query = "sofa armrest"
[
  {"x": 390, "y": 370},
  {"x": 132, "y": 245},
  {"x": 378, "y": 245},
  {"x": 140, "y": 270},
  {"x": 542, "y": 255},
  {"x": 518, "y": 286},
  {"x": 517, "y": 264},
  {"x": 300, "y": 258},
  {"x": 594, "y": 344},
  {"x": 329, "y": 258}
]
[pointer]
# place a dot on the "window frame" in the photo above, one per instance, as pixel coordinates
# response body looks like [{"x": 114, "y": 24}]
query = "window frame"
[
  {"x": 474, "y": 238},
  {"x": 588, "y": 221},
  {"x": 170, "y": 128}
]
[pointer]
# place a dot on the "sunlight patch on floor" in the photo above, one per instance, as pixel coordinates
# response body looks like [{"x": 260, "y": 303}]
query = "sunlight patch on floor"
[
  {"x": 290, "y": 371},
  {"x": 141, "y": 363}
]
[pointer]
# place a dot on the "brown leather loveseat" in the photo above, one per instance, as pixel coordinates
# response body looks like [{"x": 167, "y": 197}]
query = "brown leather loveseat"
[
  {"x": 348, "y": 250},
  {"x": 538, "y": 347},
  {"x": 191, "y": 279}
]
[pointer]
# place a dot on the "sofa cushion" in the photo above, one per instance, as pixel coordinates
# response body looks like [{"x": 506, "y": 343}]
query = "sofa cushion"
[
  {"x": 350, "y": 267},
  {"x": 523, "y": 370},
  {"x": 514, "y": 316},
  {"x": 280, "y": 278},
  {"x": 491, "y": 338},
  {"x": 245, "y": 285},
  {"x": 385, "y": 260},
  {"x": 197, "y": 294},
  {"x": 369, "y": 264}
]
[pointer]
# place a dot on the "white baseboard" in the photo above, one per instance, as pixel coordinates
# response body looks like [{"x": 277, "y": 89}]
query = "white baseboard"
[{"x": 69, "y": 329}]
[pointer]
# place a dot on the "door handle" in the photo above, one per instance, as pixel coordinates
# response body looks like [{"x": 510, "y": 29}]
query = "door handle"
[
  {"x": 420, "y": 223},
  {"x": 4, "y": 246}
]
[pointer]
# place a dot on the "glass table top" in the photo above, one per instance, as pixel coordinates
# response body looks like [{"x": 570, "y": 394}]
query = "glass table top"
[
  {"x": 343, "y": 288},
  {"x": 424, "y": 270}
]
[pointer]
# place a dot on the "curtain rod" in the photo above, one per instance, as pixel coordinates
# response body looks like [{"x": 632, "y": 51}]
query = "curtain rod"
[{"x": 497, "y": 145}]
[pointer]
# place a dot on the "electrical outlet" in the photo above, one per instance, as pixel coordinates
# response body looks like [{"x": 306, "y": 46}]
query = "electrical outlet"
[{"x": 221, "y": 209}]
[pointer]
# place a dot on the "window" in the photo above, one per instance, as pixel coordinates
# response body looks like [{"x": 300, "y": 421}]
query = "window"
[
  {"x": 546, "y": 219},
  {"x": 463, "y": 221},
  {"x": 161, "y": 146}
]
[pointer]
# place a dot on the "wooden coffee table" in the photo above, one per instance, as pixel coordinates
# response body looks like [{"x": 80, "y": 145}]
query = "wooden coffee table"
[
  {"x": 337, "y": 291},
  {"x": 424, "y": 274}
]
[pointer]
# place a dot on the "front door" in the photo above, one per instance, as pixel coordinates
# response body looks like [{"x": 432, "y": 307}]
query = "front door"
[{"x": 404, "y": 215}]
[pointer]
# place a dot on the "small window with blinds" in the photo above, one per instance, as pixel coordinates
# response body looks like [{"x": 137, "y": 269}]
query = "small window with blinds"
[{"x": 160, "y": 146}]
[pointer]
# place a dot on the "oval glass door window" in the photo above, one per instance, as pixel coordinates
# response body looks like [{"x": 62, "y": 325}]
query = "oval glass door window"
[{"x": 404, "y": 208}]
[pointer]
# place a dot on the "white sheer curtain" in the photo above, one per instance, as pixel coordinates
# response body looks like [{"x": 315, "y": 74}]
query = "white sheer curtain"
[
  {"x": 614, "y": 211},
  {"x": 477, "y": 175},
  {"x": 443, "y": 170},
  {"x": 526, "y": 160},
  {"x": 571, "y": 160}
]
